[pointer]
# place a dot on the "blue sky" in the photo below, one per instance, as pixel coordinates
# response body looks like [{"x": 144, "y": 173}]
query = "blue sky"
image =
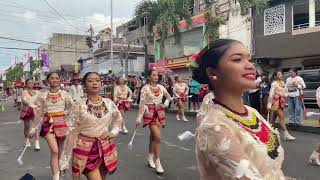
[{"x": 33, "y": 20}]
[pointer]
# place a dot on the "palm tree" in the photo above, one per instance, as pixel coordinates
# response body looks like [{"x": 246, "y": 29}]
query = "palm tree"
[{"x": 164, "y": 15}]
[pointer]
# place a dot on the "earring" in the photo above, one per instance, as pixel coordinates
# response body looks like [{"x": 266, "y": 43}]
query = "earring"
[{"x": 214, "y": 77}]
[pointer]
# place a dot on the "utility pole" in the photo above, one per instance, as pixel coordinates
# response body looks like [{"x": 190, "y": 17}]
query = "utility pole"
[
  {"x": 111, "y": 38},
  {"x": 91, "y": 48},
  {"x": 145, "y": 43},
  {"x": 127, "y": 59}
]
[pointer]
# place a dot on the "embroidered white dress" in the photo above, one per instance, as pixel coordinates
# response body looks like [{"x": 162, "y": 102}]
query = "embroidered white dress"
[{"x": 226, "y": 151}]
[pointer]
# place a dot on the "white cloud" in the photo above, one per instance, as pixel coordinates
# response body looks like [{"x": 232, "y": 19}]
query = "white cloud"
[{"x": 27, "y": 15}]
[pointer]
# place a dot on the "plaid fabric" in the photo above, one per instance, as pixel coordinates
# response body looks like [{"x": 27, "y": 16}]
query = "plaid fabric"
[
  {"x": 55, "y": 123},
  {"x": 124, "y": 105},
  {"x": 26, "y": 113},
  {"x": 154, "y": 115},
  {"x": 83, "y": 151},
  {"x": 181, "y": 97},
  {"x": 278, "y": 102}
]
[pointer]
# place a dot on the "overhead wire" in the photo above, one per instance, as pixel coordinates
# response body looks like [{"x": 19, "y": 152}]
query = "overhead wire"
[{"x": 59, "y": 14}]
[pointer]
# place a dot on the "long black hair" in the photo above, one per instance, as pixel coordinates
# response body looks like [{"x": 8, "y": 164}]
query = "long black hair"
[
  {"x": 51, "y": 73},
  {"x": 210, "y": 56},
  {"x": 85, "y": 77}
]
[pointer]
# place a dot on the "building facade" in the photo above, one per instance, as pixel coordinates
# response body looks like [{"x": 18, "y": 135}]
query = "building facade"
[
  {"x": 66, "y": 50},
  {"x": 287, "y": 35},
  {"x": 177, "y": 56}
]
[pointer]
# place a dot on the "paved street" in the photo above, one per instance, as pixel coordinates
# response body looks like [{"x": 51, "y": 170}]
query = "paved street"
[{"x": 177, "y": 157}]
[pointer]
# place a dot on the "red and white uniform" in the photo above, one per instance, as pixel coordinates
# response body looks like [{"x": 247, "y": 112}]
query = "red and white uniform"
[
  {"x": 52, "y": 107},
  {"x": 151, "y": 108},
  {"x": 28, "y": 98},
  {"x": 122, "y": 96},
  {"x": 181, "y": 90}
]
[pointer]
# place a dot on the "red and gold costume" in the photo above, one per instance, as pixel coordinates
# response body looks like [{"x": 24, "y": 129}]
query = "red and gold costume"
[
  {"x": 52, "y": 107},
  {"x": 181, "y": 90},
  {"x": 277, "y": 96},
  {"x": 28, "y": 98},
  {"x": 122, "y": 96},
  {"x": 85, "y": 145},
  {"x": 151, "y": 108}
]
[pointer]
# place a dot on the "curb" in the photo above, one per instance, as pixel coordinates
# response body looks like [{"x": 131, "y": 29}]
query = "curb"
[{"x": 306, "y": 129}]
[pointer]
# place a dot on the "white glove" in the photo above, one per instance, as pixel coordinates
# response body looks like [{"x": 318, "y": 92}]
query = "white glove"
[
  {"x": 32, "y": 132},
  {"x": 139, "y": 120},
  {"x": 166, "y": 103},
  {"x": 63, "y": 162}
]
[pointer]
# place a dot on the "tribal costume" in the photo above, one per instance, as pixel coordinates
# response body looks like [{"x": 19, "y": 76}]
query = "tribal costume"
[
  {"x": 151, "y": 101},
  {"x": 277, "y": 96},
  {"x": 84, "y": 144},
  {"x": 122, "y": 97},
  {"x": 233, "y": 145},
  {"x": 28, "y": 98},
  {"x": 52, "y": 106}
]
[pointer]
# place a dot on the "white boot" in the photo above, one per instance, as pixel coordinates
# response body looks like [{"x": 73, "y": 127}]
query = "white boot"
[
  {"x": 287, "y": 136},
  {"x": 36, "y": 145},
  {"x": 56, "y": 176},
  {"x": 314, "y": 158},
  {"x": 159, "y": 168},
  {"x": 124, "y": 130},
  {"x": 184, "y": 118},
  {"x": 151, "y": 161},
  {"x": 178, "y": 117},
  {"x": 27, "y": 142}
]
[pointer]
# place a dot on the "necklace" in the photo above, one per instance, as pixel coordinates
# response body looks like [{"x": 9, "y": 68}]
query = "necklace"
[
  {"x": 258, "y": 129},
  {"x": 97, "y": 101},
  {"x": 97, "y": 109},
  {"x": 155, "y": 90},
  {"x": 54, "y": 97},
  {"x": 31, "y": 92}
]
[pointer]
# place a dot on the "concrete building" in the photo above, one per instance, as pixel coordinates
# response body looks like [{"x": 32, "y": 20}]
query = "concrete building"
[
  {"x": 177, "y": 56},
  {"x": 65, "y": 50},
  {"x": 287, "y": 34},
  {"x": 101, "y": 61}
]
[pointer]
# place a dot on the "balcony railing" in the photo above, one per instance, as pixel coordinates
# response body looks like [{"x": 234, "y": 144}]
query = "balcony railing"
[
  {"x": 301, "y": 26},
  {"x": 305, "y": 25}
]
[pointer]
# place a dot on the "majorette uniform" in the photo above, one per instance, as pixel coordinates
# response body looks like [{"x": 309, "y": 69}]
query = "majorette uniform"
[
  {"x": 122, "y": 96},
  {"x": 84, "y": 145},
  {"x": 181, "y": 90},
  {"x": 28, "y": 98}
]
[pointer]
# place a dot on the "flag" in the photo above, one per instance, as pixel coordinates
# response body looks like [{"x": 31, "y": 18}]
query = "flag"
[{"x": 45, "y": 61}]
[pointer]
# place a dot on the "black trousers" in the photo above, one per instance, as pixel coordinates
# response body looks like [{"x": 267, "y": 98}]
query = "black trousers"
[{"x": 255, "y": 100}]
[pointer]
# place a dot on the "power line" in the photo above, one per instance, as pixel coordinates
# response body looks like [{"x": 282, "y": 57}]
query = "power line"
[
  {"x": 51, "y": 7},
  {"x": 32, "y": 42},
  {"x": 33, "y": 49}
]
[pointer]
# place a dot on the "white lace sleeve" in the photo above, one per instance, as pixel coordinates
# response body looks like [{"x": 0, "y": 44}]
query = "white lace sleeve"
[
  {"x": 220, "y": 153},
  {"x": 74, "y": 129},
  {"x": 116, "y": 119}
]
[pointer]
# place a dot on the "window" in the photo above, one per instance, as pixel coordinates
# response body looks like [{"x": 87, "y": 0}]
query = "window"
[
  {"x": 300, "y": 14},
  {"x": 274, "y": 20},
  {"x": 317, "y": 12}
]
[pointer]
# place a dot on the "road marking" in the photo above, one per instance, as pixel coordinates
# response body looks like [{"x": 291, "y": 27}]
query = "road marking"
[
  {"x": 8, "y": 123},
  {"x": 174, "y": 145},
  {"x": 193, "y": 168},
  {"x": 290, "y": 178},
  {"x": 4, "y": 149}
]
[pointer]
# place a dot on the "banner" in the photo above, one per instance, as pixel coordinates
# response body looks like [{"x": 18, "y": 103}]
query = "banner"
[
  {"x": 45, "y": 61},
  {"x": 26, "y": 63}
]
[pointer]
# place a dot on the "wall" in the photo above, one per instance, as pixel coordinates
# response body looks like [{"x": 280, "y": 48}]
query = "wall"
[
  {"x": 237, "y": 27},
  {"x": 285, "y": 45},
  {"x": 76, "y": 45}
]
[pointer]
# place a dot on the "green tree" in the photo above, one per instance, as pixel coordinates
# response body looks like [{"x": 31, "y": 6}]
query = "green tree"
[
  {"x": 15, "y": 73},
  {"x": 215, "y": 19},
  {"x": 164, "y": 15}
]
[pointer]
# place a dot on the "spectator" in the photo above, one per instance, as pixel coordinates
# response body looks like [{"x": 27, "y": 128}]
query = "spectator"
[
  {"x": 265, "y": 87},
  {"x": 194, "y": 92},
  {"x": 295, "y": 84},
  {"x": 254, "y": 95}
]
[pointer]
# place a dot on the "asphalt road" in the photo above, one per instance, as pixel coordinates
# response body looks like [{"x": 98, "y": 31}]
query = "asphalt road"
[{"x": 178, "y": 158}]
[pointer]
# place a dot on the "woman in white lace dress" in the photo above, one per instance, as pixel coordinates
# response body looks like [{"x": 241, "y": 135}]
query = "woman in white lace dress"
[
  {"x": 315, "y": 156},
  {"x": 95, "y": 121},
  {"x": 234, "y": 141},
  {"x": 180, "y": 91},
  {"x": 152, "y": 112},
  {"x": 122, "y": 97}
]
